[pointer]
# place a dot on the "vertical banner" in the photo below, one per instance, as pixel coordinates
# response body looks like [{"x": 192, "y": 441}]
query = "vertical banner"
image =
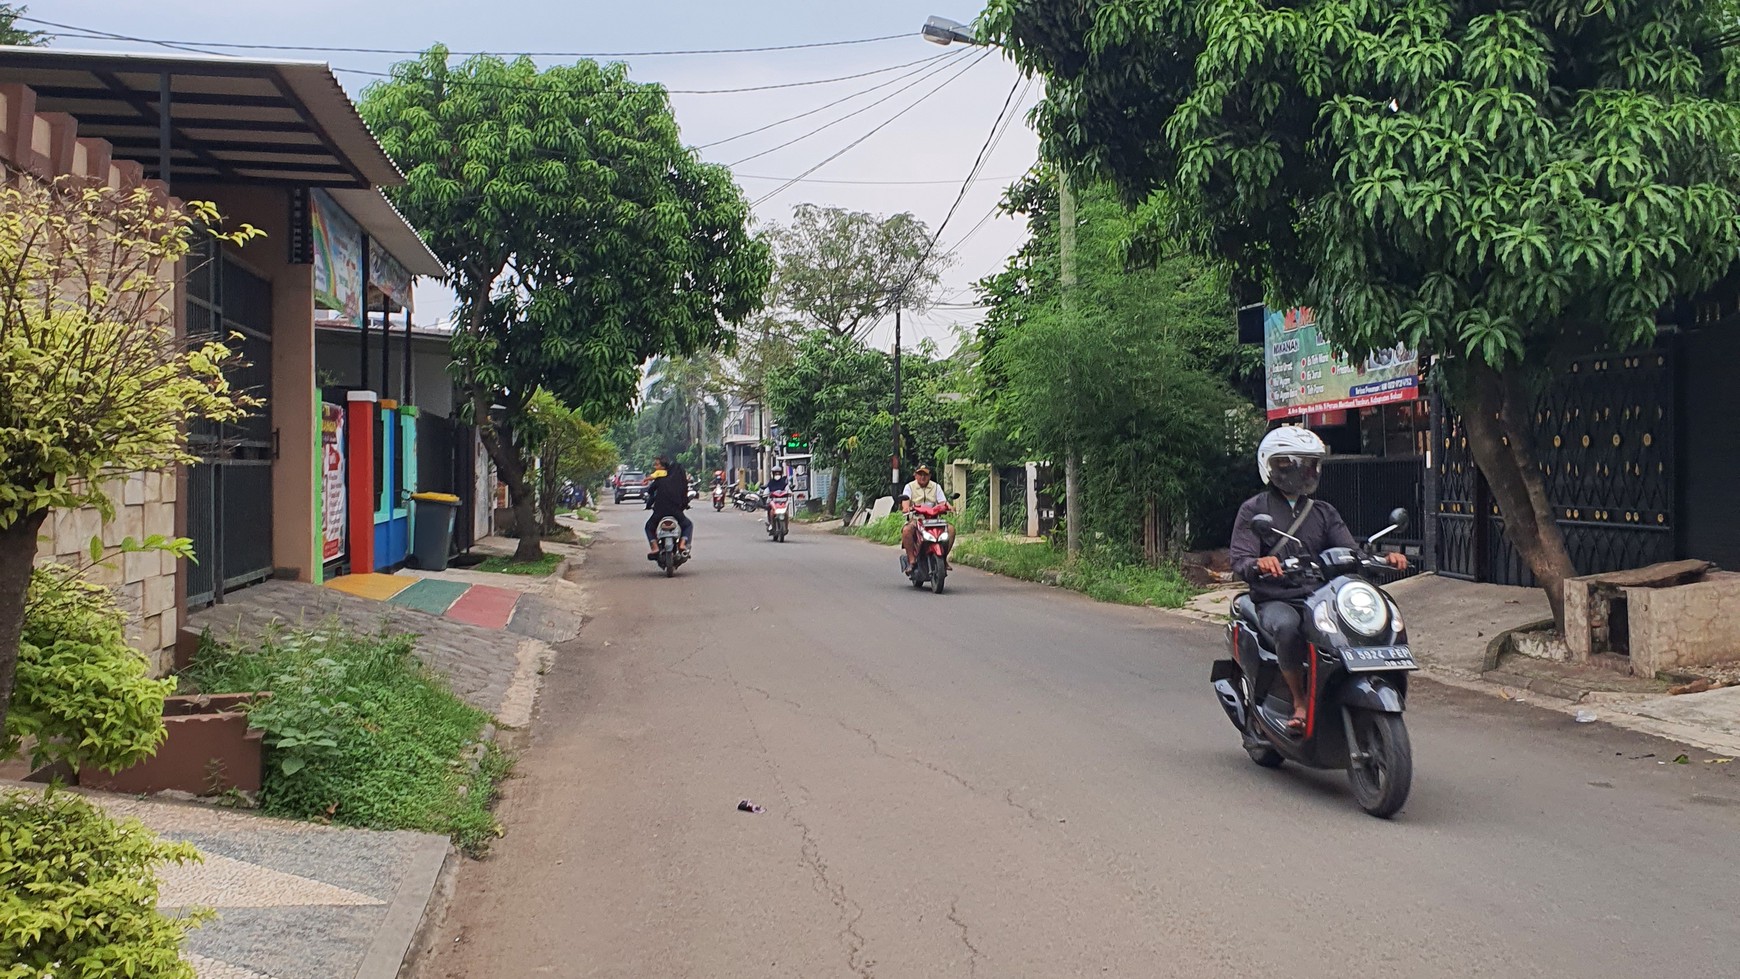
[
  {"x": 338, "y": 247},
  {"x": 388, "y": 275},
  {"x": 332, "y": 481}
]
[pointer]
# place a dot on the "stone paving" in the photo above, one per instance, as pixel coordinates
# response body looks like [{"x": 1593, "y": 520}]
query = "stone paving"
[{"x": 293, "y": 900}]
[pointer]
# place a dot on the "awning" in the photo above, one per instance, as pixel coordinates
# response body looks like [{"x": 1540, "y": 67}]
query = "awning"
[{"x": 232, "y": 120}]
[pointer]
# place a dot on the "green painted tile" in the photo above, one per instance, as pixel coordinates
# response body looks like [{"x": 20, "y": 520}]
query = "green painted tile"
[{"x": 431, "y": 595}]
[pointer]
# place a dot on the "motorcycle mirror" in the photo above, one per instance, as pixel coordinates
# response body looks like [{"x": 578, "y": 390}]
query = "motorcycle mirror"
[
  {"x": 954, "y": 496},
  {"x": 1399, "y": 517},
  {"x": 1263, "y": 524}
]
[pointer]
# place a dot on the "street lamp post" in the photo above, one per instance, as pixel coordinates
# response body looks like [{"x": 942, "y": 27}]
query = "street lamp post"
[{"x": 941, "y": 30}]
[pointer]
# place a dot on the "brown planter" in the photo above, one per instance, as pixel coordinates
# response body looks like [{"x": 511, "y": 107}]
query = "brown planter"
[{"x": 210, "y": 750}]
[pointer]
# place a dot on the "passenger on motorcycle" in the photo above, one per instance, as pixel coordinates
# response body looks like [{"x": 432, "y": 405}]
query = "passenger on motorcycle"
[
  {"x": 668, "y": 496},
  {"x": 920, "y": 492},
  {"x": 1290, "y": 460}
]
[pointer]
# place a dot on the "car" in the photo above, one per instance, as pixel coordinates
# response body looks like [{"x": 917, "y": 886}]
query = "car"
[{"x": 631, "y": 484}]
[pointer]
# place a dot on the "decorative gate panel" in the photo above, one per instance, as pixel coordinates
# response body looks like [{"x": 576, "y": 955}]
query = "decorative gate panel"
[{"x": 1605, "y": 430}]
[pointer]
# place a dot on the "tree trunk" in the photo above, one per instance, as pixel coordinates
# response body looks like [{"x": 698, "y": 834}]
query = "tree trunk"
[
  {"x": 1500, "y": 421},
  {"x": 510, "y": 465},
  {"x": 17, "y": 554},
  {"x": 547, "y": 492},
  {"x": 1072, "y": 503},
  {"x": 834, "y": 493}
]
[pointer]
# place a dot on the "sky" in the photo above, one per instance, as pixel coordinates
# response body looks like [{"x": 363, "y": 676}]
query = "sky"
[{"x": 916, "y": 162}]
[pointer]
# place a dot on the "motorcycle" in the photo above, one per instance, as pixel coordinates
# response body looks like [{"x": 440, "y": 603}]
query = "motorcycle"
[
  {"x": 718, "y": 498},
  {"x": 1356, "y": 675},
  {"x": 671, "y": 555},
  {"x": 746, "y": 501},
  {"x": 778, "y": 515},
  {"x": 932, "y": 567}
]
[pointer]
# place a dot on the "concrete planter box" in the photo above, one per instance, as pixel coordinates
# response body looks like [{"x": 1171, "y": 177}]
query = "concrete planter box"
[{"x": 210, "y": 750}]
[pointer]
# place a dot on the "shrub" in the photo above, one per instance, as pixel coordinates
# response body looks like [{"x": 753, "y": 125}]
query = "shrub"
[
  {"x": 359, "y": 732},
  {"x": 884, "y": 531},
  {"x": 78, "y": 893},
  {"x": 82, "y": 693}
]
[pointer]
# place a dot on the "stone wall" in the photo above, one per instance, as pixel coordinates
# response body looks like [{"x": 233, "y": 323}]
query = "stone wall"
[
  {"x": 1687, "y": 625},
  {"x": 47, "y": 146}
]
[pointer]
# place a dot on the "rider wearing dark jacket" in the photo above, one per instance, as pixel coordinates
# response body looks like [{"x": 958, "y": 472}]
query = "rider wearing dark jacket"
[{"x": 670, "y": 497}]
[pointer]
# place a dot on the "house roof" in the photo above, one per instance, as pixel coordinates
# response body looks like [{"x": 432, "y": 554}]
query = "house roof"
[{"x": 232, "y": 120}]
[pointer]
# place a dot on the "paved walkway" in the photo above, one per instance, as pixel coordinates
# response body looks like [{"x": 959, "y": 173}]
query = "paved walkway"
[{"x": 293, "y": 900}]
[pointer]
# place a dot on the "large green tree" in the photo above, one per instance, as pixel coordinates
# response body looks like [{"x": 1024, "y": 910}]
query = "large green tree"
[
  {"x": 584, "y": 238},
  {"x": 843, "y": 271},
  {"x": 1496, "y": 183}
]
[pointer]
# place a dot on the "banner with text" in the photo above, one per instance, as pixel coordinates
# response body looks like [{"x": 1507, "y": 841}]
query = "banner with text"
[
  {"x": 338, "y": 248},
  {"x": 332, "y": 482},
  {"x": 1306, "y": 375}
]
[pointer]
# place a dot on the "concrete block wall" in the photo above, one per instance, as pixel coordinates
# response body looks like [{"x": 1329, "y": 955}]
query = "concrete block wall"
[{"x": 47, "y": 146}]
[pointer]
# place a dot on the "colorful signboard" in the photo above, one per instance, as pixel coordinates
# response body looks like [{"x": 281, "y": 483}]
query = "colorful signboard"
[
  {"x": 332, "y": 482},
  {"x": 1308, "y": 376},
  {"x": 338, "y": 247},
  {"x": 388, "y": 275}
]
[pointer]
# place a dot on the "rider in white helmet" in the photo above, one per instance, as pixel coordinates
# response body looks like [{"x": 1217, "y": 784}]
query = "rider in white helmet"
[{"x": 1290, "y": 460}]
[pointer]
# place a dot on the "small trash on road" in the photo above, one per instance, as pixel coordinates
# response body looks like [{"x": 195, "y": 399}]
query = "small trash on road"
[
  {"x": 1585, "y": 717},
  {"x": 747, "y": 806}
]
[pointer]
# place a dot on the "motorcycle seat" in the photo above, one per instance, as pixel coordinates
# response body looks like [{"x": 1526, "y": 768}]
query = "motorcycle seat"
[{"x": 1246, "y": 611}]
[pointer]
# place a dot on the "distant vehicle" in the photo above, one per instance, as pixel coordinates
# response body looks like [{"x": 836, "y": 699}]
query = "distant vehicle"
[{"x": 631, "y": 485}]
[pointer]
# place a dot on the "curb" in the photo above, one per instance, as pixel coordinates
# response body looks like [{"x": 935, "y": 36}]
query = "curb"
[{"x": 404, "y": 918}]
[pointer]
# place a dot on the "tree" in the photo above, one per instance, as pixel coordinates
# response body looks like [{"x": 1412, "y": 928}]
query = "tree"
[
  {"x": 11, "y": 33},
  {"x": 843, "y": 271},
  {"x": 1500, "y": 185},
  {"x": 569, "y": 448},
  {"x": 837, "y": 391},
  {"x": 584, "y": 237},
  {"x": 1129, "y": 371},
  {"x": 95, "y": 381}
]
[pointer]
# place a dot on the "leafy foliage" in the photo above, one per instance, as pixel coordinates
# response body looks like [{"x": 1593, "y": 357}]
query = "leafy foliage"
[
  {"x": 1106, "y": 574},
  {"x": 1133, "y": 373},
  {"x": 83, "y": 694},
  {"x": 843, "y": 271},
  {"x": 78, "y": 893},
  {"x": 568, "y": 448},
  {"x": 360, "y": 733},
  {"x": 1497, "y": 184},
  {"x": 583, "y": 236},
  {"x": 11, "y": 33}
]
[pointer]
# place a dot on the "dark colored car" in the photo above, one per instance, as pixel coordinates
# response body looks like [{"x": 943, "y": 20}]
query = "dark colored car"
[{"x": 632, "y": 485}]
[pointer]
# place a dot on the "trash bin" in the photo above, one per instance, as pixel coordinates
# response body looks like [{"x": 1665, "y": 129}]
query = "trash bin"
[{"x": 433, "y": 535}]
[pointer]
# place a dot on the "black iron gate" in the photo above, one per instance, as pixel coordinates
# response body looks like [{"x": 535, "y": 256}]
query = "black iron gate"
[
  {"x": 1605, "y": 433},
  {"x": 446, "y": 463},
  {"x": 229, "y": 504}
]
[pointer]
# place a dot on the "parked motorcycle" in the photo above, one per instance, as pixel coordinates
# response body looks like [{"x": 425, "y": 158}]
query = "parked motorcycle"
[
  {"x": 932, "y": 567},
  {"x": 1356, "y": 675},
  {"x": 671, "y": 555},
  {"x": 746, "y": 501},
  {"x": 718, "y": 498},
  {"x": 778, "y": 515}
]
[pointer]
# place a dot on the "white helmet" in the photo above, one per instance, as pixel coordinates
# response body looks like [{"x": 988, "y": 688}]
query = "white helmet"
[{"x": 1290, "y": 459}]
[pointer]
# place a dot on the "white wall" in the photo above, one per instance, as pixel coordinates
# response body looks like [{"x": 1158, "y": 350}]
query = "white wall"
[{"x": 336, "y": 362}]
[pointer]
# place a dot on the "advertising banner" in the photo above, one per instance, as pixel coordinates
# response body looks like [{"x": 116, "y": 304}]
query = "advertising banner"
[
  {"x": 1308, "y": 376},
  {"x": 388, "y": 275},
  {"x": 337, "y": 257},
  {"x": 332, "y": 481}
]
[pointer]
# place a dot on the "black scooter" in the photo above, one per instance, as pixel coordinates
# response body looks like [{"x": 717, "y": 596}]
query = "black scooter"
[{"x": 1356, "y": 676}]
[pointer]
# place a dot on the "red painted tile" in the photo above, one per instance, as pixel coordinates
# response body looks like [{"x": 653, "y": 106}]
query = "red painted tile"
[{"x": 485, "y": 605}]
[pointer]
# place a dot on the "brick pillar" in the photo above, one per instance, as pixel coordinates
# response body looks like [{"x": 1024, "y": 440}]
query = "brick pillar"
[{"x": 360, "y": 461}]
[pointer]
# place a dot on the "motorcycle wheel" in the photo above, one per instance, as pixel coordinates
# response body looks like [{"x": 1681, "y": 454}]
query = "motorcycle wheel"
[
  {"x": 1381, "y": 782},
  {"x": 668, "y": 561},
  {"x": 936, "y": 579}
]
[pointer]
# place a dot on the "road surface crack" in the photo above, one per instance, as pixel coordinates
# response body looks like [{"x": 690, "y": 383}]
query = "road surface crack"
[
  {"x": 973, "y": 953},
  {"x": 835, "y": 892}
]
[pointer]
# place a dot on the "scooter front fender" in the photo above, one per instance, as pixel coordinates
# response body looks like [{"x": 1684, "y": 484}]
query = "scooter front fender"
[{"x": 1375, "y": 693}]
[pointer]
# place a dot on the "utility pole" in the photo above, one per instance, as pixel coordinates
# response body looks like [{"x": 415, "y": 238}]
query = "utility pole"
[
  {"x": 894, "y": 476},
  {"x": 1072, "y": 460}
]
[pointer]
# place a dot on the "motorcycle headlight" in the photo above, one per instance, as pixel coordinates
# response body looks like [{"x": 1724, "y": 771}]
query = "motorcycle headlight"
[
  {"x": 1396, "y": 619},
  {"x": 1362, "y": 607}
]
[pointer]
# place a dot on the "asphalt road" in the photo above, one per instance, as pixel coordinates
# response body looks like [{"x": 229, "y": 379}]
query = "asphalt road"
[{"x": 1010, "y": 780}]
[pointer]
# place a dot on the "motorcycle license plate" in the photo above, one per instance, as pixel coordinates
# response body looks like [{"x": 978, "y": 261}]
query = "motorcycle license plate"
[
  {"x": 1369, "y": 659},
  {"x": 936, "y": 524}
]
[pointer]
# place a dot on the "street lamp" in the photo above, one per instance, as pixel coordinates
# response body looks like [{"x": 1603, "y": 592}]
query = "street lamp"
[{"x": 941, "y": 30}]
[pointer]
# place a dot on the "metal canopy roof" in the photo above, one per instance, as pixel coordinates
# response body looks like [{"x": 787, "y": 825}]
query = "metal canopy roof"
[{"x": 232, "y": 120}]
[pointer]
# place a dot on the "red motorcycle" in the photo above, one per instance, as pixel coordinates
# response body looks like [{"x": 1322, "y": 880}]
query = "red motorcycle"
[
  {"x": 934, "y": 539},
  {"x": 778, "y": 515}
]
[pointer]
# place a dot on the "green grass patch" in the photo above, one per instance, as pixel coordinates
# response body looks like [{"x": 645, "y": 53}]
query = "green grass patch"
[
  {"x": 1097, "y": 574},
  {"x": 359, "y": 732},
  {"x": 590, "y": 516},
  {"x": 506, "y": 565},
  {"x": 884, "y": 531}
]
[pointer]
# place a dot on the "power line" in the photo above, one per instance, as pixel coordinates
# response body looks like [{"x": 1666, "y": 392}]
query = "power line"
[
  {"x": 925, "y": 75},
  {"x": 516, "y": 86},
  {"x": 823, "y": 108},
  {"x": 782, "y": 188},
  {"x": 505, "y": 54},
  {"x": 870, "y": 183}
]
